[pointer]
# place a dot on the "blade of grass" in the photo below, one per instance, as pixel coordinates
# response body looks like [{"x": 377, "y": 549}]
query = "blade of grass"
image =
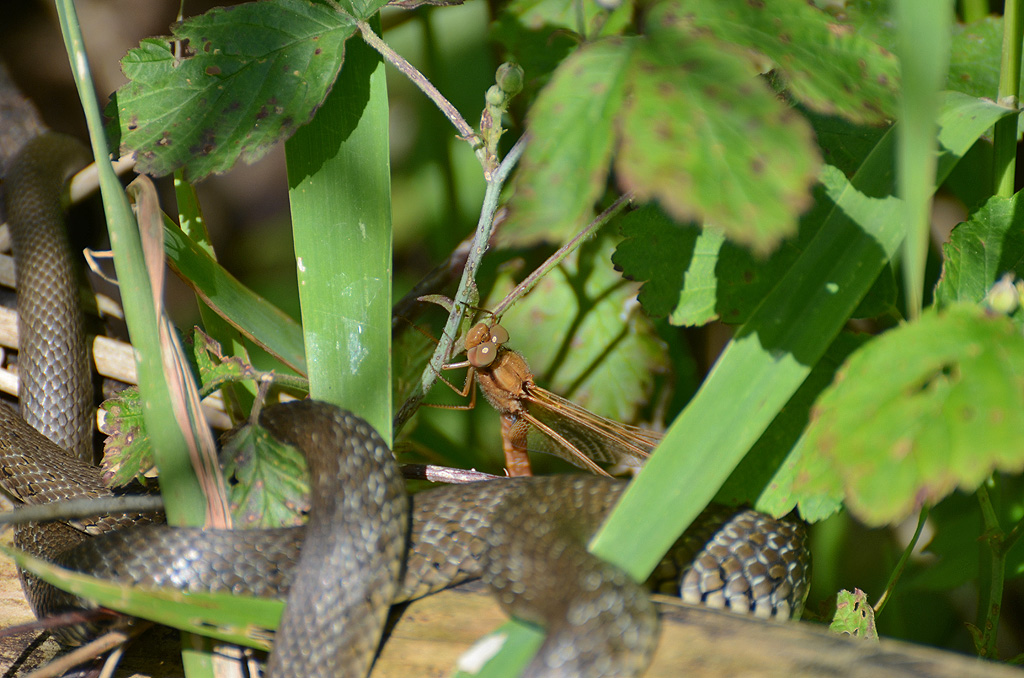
[
  {"x": 340, "y": 193},
  {"x": 249, "y": 313},
  {"x": 183, "y": 495},
  {"x": 238, "y": 398},
  {"x": 235, "y": 619},
  {"x": 923, "y": 38},
  {"x": 1004, "y": 156}
]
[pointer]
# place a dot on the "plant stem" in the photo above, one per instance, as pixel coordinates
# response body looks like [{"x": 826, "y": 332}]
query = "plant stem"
[
  {"x": 901, "y": 565},
  {"x": 1005, "y": 135},
  {"x": 990, "y": 589},
  {"x": 528, "y": 283},
  {"x": 465, "y": 130},
  {"x": 485, "y": 225},
  {"x": 973, "y": 10}
]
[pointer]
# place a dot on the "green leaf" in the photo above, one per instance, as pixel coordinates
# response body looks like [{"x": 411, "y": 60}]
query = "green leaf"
[
  {"x": 127, "y": 450},
  {"x": 707, "y": 140},
  {"x": 922, "y": 410},
  {"x": 214, "y": 368},
  {"x": 826, "y": 65},
  {"x": 981, "y": 250},
  {"x": 975, "y": 53},
  {"x": 744, "y": 280},
  {"x": 571, "y": 125},
  {"x": 697, "y": 276},
  {"x": 254, "y": 73},
  {"x": 695, "y": 130},
  {"x": 268, "y": 486},
  {"x": 842, "y": 143},
  {"x": 583, "y": 19},
  {"x": 974, "y": 57},
  {"x": 362, "y": 9},
  {"x": 854, "y": 616},
  {"x": 676, "y": 263}
]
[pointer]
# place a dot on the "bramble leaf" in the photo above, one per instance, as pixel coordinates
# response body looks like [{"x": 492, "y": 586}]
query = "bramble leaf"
[
  {"x": 825, "y": 64},
  {"x": 236, "y": 93},
  {"x": 268, "y": 486},
  {"x": 981, "y": 250},
  {"x": 927, "y": 408}
]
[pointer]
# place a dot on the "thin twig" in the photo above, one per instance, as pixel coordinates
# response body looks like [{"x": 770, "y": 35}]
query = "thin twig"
[
  {"x": 484, "y": 227},
  {"x": 898, "y": 571},
  {"x": 555, "y": 259},
  {"x": 444, "y": 474},
  {"x": 83, "y": 508},
  {"x": 465, "y": 130},
  {"x": 59, "y": 621},
  {"x": 61, "y": 665}
]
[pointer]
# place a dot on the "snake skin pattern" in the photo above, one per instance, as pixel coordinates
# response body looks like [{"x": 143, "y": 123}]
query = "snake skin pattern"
[
  {"x": 367, "y": 545},
  {"x": 53, "y": 359}
]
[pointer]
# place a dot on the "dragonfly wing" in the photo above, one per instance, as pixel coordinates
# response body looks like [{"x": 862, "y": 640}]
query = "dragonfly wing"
[{"x": 601, "y": 440}]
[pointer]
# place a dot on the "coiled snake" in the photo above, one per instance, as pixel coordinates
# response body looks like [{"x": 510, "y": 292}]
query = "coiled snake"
[{"x": 368, "y": 545}]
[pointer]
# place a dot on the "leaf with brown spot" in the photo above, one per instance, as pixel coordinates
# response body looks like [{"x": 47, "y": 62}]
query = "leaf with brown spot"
[
  {"x": 716, "y": 147},
  {"x": 572, "y": 135},
  {"x": 252, "y": 71},
  {"x": 930, "y": 407},
  {"x": 268, "y": 480},
  {"x": 127, "y": 452},
  {"x": 826, "y": 65},
  {"x": 854, "y": 616}
]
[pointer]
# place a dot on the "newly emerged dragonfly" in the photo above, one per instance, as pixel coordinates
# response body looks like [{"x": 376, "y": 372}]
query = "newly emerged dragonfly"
[{"x": 534, "y": 418}]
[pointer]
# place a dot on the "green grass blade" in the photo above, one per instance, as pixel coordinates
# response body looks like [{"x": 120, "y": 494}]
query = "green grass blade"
[
  {"x": 249, "y": 313},
  {"x": 183, "y": 496},
  {"x": 339, "y": 187},
  {"x": 923, "y": 36},
  {"x": 235, "y": 619}
]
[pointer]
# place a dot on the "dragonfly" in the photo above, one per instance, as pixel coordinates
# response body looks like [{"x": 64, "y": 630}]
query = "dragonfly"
[{"x": 536, "y": 419}]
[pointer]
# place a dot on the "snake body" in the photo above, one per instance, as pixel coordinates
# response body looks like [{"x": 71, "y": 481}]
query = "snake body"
[
  {"x": 53, "y": 363},
  {"x": 368, "y": 545}
]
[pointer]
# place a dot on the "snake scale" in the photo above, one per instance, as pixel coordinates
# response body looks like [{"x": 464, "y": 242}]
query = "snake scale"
[{"x": 367, "y": 544}]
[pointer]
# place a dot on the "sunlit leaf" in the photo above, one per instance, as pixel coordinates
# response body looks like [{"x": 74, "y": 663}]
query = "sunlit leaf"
[
  {"x": 237, "y": 91},
  {"x": 929, "y": 407}
]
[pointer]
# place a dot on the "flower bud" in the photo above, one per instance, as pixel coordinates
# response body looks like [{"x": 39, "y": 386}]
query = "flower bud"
[{"x": 510, "y": 78}]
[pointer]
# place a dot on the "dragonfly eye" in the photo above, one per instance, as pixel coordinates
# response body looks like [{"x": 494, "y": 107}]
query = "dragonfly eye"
[
  {"x": 482, "y": 355},
  {"x": 477, "y": 335},
  {"x": 499, "y": 335}
]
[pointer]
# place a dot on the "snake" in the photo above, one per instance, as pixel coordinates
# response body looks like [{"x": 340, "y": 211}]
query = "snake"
[{"x": 368, "y": 544}]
